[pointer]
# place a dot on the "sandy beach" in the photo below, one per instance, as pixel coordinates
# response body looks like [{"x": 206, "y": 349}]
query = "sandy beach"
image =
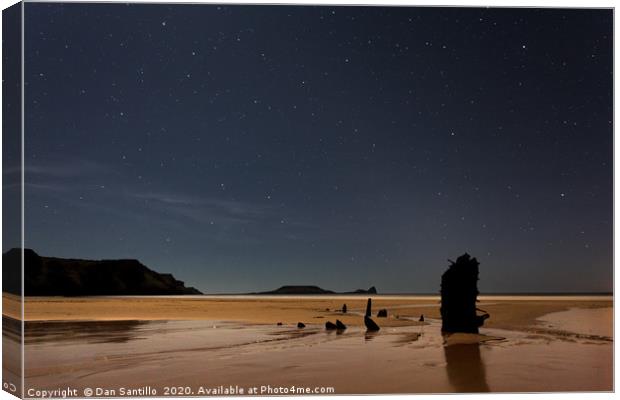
[{"x": 531, "y": 343}]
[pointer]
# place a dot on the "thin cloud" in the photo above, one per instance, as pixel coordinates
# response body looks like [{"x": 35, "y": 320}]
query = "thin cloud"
[{"x": 207, "y": 209}]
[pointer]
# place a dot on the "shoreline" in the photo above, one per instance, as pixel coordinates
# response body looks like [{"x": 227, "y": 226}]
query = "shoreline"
[
  {"x": 409, "y": 359},
  {"x": 90, "y": 342},
  {"x": 510, "y": 313}
]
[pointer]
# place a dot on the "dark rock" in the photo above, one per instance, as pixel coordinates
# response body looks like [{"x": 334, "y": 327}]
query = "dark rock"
[
  {"x": 382, "y": 313},
  {"x": 330, "y": 326},
  {"x": 301, "y": 325},
  {"x": 370, "y": 324},
  {"x": 371, "y": 290},
  {"x": 49, "y": 276},
  {"x": 421, "y": 318},
  {"x": 369, "y": 308},
  {"x": 459, "y": 292},
  {"x": 340, "y": 325},
  {"x": 344, "y": 308},
  {"x": 279, "y": 324}
]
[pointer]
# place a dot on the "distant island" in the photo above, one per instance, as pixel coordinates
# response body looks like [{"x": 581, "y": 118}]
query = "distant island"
[
  {"x": 53, "y": 276},
  {"x": 50, "y": 276},
  {"x": 291, "y": 289}
]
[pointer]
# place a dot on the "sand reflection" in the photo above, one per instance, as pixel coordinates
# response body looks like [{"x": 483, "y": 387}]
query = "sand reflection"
[
  {"x": 465, "y": 368},
  {"x": 83, "y": 331}
]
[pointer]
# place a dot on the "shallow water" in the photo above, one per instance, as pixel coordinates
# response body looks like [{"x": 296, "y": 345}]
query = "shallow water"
[
  {"x": 415, "y": 359},
  {"x": 594, "y": 322}
]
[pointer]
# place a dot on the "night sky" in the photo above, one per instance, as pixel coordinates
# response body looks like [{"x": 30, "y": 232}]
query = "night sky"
[{"x": 242, "y": 148}]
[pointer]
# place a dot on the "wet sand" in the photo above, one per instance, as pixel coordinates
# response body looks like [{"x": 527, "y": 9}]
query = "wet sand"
[
  {"x": 208, "y": 342},
  {"x": 508, "y": 312}
]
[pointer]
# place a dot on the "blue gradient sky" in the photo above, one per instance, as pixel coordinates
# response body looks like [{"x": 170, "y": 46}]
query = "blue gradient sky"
[{"x": 242, "y": 148}]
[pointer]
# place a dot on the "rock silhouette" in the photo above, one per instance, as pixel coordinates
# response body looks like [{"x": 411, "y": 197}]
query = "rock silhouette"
[
  {"x": 344, "y": 308},
  {"x": 421, "y": 318},
  {"x": 311, "y": 289},
  {"x": 301, "y": 325},
  {"x": 330, "y": 326},
  {"x": 296, "y": 289},
  {"x": 52, "y": 276},
  {"x": 459, "y": 292},
  {"x": 371, "y": 290},
  {"x": 279, "y": 323},
  {"x": 382, "y": 313},
  {"x": 370, "y": 324},
  {"x": 340, "y": 325}
]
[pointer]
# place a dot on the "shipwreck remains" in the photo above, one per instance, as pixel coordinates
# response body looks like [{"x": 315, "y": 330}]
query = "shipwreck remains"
[
  {"x": 459, "y": 292},
  {"x": 370, "y": 324},
  {"x": 330, "y": 326}
]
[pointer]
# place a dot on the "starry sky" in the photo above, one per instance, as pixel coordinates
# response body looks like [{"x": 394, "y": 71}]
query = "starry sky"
[{"x": 242, "y": 148}]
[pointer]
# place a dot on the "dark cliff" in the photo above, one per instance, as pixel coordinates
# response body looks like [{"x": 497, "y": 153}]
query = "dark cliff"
[{"x": 49, "y": 276}]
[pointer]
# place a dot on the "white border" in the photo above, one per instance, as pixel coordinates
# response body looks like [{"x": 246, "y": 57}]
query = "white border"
[{"x": 459, "y": 3}]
